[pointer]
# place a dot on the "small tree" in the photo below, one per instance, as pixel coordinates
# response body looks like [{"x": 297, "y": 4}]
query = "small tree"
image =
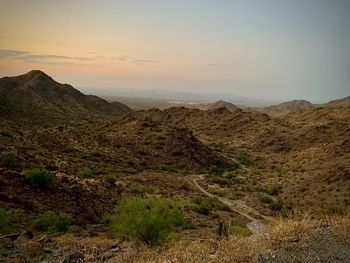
[
  {"x": 9, "y": 220},
  {"x": 149, "y": 220},
  {"x": 52, "y": 222}
]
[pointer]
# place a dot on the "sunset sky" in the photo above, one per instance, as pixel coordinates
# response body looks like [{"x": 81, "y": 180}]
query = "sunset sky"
[{"x": 272, "y": 49}]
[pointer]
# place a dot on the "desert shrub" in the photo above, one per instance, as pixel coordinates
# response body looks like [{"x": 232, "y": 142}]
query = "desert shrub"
[
  {"x": 38, "y": 177},
  {"x": 9, "y": 220},
  {"x": 284, "y": 229},
  {"x": 234, "y": 166},
  {"x": 274, "y": 189},
  {"x": 217, "y": 192},
  {"x": 141, "y": 190},
  {"x": 276, "y": 206},
  {"x": 265, "y": 198},
  {"x": 205, "y": 205},
  {"x": 52, "y": 222},
  {"x": 218, "y": 180},
  {"x": 197, "y": 199},
  {"x": 215, "y": 170},
  {"x": 340, "y": 225},
  {"x": 111, "y": 179},
  {"x": 224, "y": 207},
  {"x": 86, "y": 173},
  {"x": 9, "y": 160},
  {"x": 149, "y": 220},
  {"x": 178, "y": 152},
  {"x": 186, "y": 186},
  {"x": 279, "y": 171},
  {"x": 244, "y": 158},
  {"x": 238, "y": 230}
]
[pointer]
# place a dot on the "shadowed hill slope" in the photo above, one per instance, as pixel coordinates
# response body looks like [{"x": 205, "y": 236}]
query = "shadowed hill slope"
[{"x": 36, "y": 96}]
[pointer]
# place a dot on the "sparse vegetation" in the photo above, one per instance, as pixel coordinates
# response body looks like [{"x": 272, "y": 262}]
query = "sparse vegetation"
[
  {"x": 274, "y": 189},
  {"x": 218, "y": 180},
  {"x": 9, "y": 160},
  {"x": 205, "y": 206},
  {"x": 141, "y": 190},
  {"x": 38, "y": 177},
  {"x": 9, "y": 220},
  {"x": 283, "y": 230},
  {"x": 265, "y": 198},
  {"x": 111, "y": 179},
  {"x": 340, "y": 225},
  {"x": 238, "y": 230},
  {"x": 215, "y": 170},
  {"x": 149, "y": 220},
  {"x": 244, "y": 158},
  {"x": 86, "y": 173},
  {"x": 52, "y": 222}
]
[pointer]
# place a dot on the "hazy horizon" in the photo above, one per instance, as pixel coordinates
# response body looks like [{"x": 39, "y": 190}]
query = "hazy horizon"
[{"x": 272, "y": 50}]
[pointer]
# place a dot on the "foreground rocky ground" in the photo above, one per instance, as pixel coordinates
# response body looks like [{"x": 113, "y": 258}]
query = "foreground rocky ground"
[{"x": 301, "y": 240}]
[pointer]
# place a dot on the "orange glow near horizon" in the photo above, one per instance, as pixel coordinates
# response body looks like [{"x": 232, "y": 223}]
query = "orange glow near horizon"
[{"x": 249, "y": 49}]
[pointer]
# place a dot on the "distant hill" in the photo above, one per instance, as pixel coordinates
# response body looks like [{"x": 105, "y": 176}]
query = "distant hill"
[
  {"x": 344, "y": 102},
  {"x": 36, "y": 97},
  {"x": 222, "y": 104},
  {"x": 284, "y": 108}
]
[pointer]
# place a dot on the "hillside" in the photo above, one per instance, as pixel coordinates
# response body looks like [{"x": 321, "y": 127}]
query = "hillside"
[
  {"x": 344, "y": 102},
  {"x": 309, "y": 147},
  {"x": 222, "y": 104},
  {"x": 37, "y": 97},
  {"x": 284, "y": 108}
]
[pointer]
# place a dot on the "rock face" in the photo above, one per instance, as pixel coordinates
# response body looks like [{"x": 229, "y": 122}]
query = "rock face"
[{"x": 36, "y": 96}]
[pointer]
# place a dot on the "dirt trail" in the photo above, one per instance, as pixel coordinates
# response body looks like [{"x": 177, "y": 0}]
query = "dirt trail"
[{"x": 258, "y": 221}]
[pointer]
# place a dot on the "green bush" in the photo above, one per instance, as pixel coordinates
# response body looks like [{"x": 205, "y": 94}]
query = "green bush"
[
  {"x": 265, "y": 198},
  {"x": 111, "y": 179},
  {"x": 52, "y": 222},
  {"x": 86, "y": 173},
  {"x": 149, "y": 220},
  {"x": 9, "y": 220},
  {"x": 38, "y": 177},
  {"x": 9, "y": 160}
]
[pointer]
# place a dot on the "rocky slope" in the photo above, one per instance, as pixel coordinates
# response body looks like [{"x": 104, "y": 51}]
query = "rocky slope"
[{"x": 37, "y": 97}]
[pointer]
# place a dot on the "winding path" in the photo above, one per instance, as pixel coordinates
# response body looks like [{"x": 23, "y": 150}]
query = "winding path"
[{"x": 258, "y": 221}]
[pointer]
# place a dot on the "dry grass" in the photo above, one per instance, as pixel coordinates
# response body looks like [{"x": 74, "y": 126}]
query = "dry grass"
[
  {"x": 283, "y": 231},
  {"x": 235, "y": 249},
  {"x": 340, "y": 226}
]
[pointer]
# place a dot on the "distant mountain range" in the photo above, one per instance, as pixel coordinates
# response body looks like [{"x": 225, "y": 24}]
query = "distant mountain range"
[
  {"x": 285, "y": 108},
  {"x": 38, "y": 96}
]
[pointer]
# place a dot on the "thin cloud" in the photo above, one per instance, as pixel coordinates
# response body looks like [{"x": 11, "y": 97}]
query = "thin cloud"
[
  {"x": 146, "y": 61},
  {"x": 12, "y": 53},
  {"x": 48, "y": 59}
]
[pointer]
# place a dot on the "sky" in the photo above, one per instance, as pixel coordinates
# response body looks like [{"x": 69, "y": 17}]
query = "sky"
[{"x": 269, "y": 49}]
